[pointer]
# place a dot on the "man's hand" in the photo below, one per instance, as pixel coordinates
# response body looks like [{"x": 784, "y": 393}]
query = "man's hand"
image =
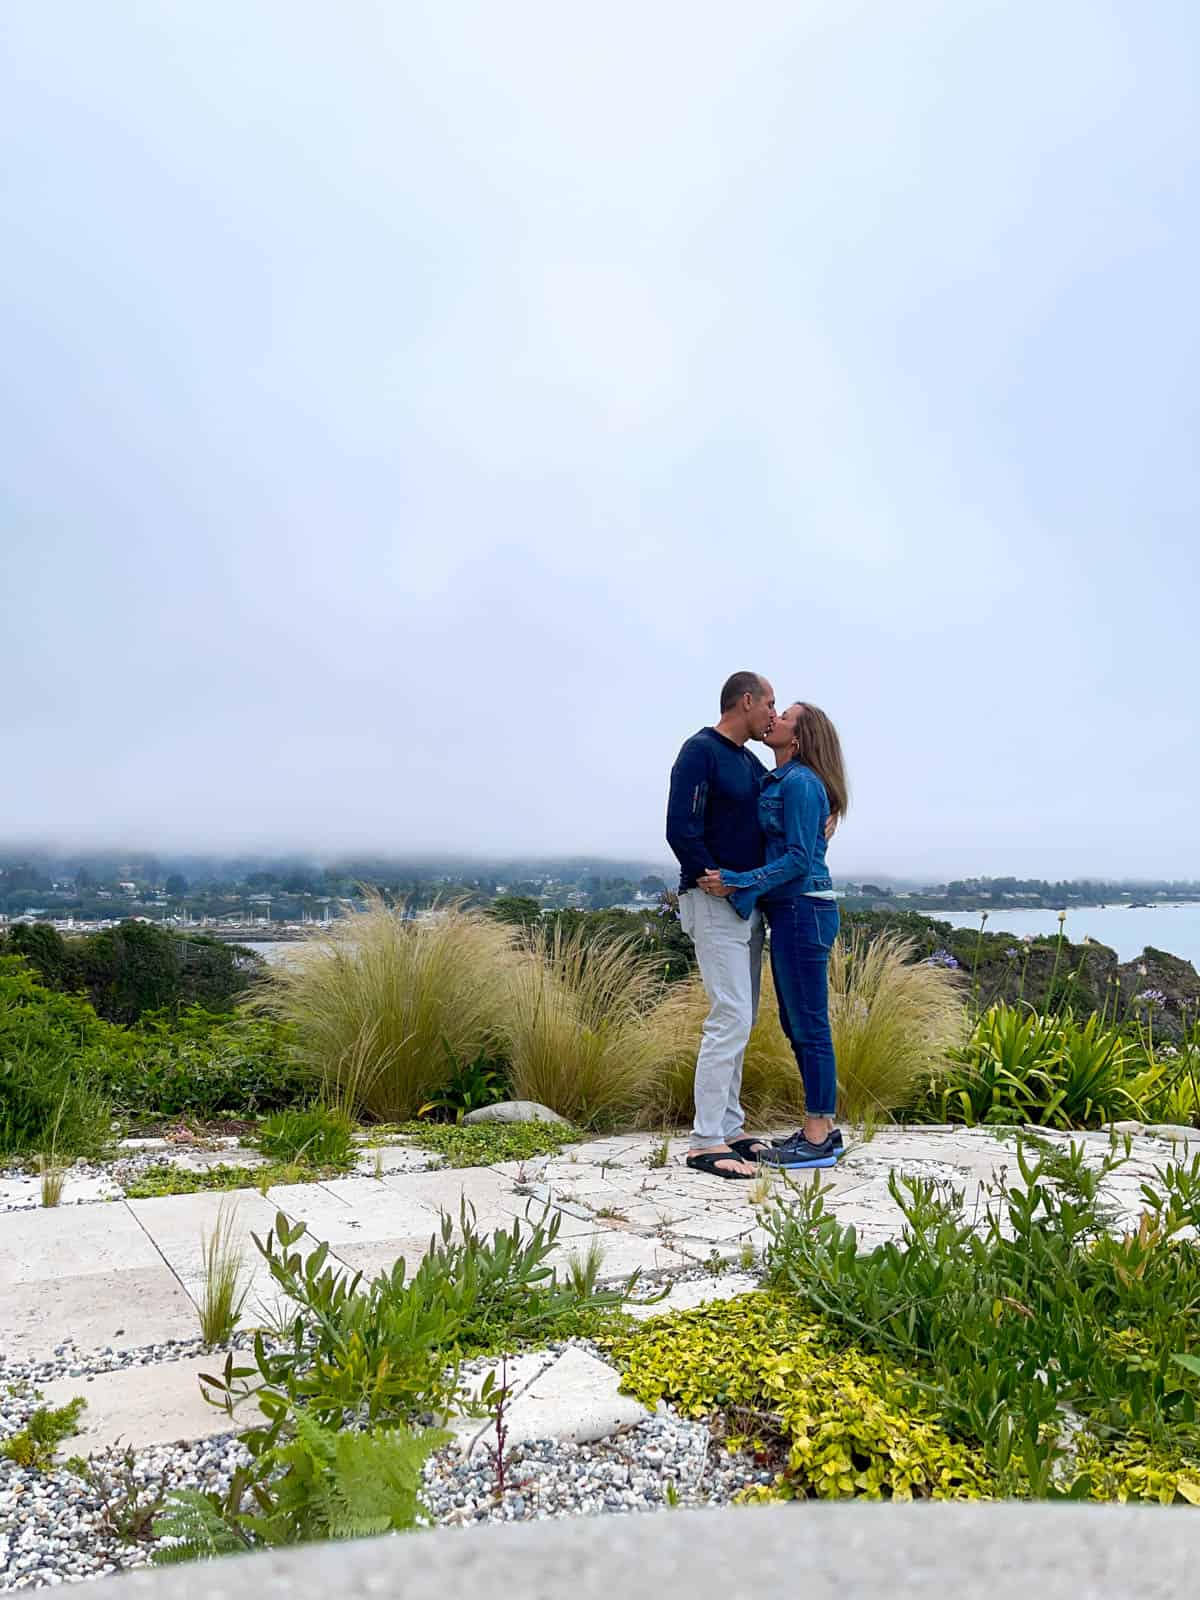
[
  {"x": 831, "y": 822},
  {"x": 711, "y": 884}
]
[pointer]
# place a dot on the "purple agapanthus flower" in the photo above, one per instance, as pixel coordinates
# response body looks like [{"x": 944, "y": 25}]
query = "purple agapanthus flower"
[
  {"x": 1151, "y": 997},
  {"x": 942, "y": 958}
]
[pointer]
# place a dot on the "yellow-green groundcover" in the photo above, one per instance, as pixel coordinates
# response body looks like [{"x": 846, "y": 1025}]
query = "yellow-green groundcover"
[{"x": 843, "y": 1422}]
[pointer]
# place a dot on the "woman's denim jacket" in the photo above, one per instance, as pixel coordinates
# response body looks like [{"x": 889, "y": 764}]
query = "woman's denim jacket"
[{"x": 793, "y": 809}]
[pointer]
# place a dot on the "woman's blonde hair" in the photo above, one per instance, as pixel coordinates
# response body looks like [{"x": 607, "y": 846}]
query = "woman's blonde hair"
[{"x": 818, "y": 746}]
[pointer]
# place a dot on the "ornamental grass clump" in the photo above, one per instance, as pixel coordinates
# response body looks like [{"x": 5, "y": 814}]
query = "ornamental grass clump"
[
  {"x": 578, "y": 1038},
  {"x": 380, "y": 1006},
  {"x": 894, "y": 1019}
]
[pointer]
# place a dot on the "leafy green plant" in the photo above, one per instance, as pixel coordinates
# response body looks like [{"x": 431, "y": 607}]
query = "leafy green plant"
[
  {"x": 205, "y": 1065},
  {"x": 371, "y": 1006},
  {"x": 129, "y": 1506},
  {"x": 479, "y": 1083},
  {"x": 1037, "y": 1312},
  {"x": 34, "y": 1445},
  {"x": 318, "y": 1483},
  {"x": 316, "y": 1134},
  {"x": 835, "y": 1421},
  {"x": 1023, "y": 1066},
  {"x": 224, "y": 1292}
]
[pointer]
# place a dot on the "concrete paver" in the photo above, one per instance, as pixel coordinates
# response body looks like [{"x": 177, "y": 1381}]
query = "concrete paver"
[
  {"x": 146, "y": 1405},
  {"x": 38, "y": 1246},
  {"x": 124, "y": 1310}
]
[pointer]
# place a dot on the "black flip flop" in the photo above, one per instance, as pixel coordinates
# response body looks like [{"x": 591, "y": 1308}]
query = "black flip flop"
[
  {"x": 706, "y": 1161},
  {"x": 744, "y": 1148}
]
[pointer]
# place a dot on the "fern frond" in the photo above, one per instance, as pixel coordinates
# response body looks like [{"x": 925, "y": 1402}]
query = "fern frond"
[{"x": 197, "y": 1530}]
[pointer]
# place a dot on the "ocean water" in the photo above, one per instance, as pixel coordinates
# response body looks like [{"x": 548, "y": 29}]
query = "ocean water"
[{"x": 1125, "y": 929}]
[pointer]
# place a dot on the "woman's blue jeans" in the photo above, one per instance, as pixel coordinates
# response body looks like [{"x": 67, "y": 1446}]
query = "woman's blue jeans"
[{"x": 802, "y": 933}]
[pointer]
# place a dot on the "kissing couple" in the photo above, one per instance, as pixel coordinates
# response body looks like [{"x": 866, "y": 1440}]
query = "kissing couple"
[{"x": 750, "y": 841}]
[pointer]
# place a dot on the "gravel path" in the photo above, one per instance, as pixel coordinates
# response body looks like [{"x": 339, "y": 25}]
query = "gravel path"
[{"x": 54, "y": 1527}]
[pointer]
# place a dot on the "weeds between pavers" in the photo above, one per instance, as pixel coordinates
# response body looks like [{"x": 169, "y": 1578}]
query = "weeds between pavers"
[
  {"x": 483, "y": 1144},
  {"x": 35, "y": 1444}
]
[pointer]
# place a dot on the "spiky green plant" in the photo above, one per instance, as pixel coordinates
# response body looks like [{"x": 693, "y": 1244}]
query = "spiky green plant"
[
  {"x": 224, "y": 1291},
  {"x": 376, "y": 1005},
  {"x": 53, "y": 1177}
]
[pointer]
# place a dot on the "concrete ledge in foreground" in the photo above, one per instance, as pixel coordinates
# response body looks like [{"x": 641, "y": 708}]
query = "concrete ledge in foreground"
[{"x": 813, "y": 1551}]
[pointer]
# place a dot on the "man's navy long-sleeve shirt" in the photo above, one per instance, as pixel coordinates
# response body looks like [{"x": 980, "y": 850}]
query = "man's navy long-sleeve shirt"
[{"x": 712, "y": 811}]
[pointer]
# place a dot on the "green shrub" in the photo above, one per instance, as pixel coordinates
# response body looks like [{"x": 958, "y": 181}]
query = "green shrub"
[
  {"x": 477, "y": 1083},
  {"x": 1036, "y": 1311},
  {"x": 202, "y": 1065},
  {"x": 317, "y": 1134},
  {"x": 375, "y": 1008},
  {"x": 34, "y": 1446},
  {"x": 354, "y": 1369},
  {"x": 48, "y": 1101}
]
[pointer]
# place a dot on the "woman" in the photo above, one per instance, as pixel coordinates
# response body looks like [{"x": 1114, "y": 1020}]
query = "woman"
[{"x": 796, "y": 894}]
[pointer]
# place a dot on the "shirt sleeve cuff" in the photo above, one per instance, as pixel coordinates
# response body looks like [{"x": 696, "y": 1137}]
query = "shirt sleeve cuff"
[{"x": 737, "y": 880}]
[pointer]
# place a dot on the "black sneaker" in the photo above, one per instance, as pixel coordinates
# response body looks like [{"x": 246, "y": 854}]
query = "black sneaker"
[{"x": 798, "y": 1152}]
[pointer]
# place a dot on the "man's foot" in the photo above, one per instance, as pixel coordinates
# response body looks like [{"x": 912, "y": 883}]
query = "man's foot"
[
  {"x": 799, "y": 1152},
  {"x": 720, "y": 1163},
  {"x": 748, "y": 1148}
]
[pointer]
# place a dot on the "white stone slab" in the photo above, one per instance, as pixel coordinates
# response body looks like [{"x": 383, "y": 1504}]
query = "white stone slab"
[
  {"x": 45, "y": 1244},
  {"x": 396, "y": 1158},
  {"x": 124, "y": 1310},
  {"x": 446, "y": 1188},
  {"x": 140, "y": 1406},
  {"x": 695, "y": 1292},
  {"x": 179, "y": 1224},
  {"x": 576, "y": 1399},
  {"x": 376, "y": 1256},
  {"x": 623, "y": 1254}
]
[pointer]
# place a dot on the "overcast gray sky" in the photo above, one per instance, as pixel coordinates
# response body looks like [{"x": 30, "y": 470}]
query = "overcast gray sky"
[{"x": 412, "y": 412}]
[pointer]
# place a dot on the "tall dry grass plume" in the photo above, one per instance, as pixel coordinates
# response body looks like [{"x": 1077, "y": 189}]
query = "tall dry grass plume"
[
  {"x": 893, "y": 1021},
  {"x": 579, "y": 1039},
  {"x": 386, "y": 1005}
]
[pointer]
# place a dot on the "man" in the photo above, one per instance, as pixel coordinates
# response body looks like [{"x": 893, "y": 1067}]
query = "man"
[{"x": 712, "y": 822}]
